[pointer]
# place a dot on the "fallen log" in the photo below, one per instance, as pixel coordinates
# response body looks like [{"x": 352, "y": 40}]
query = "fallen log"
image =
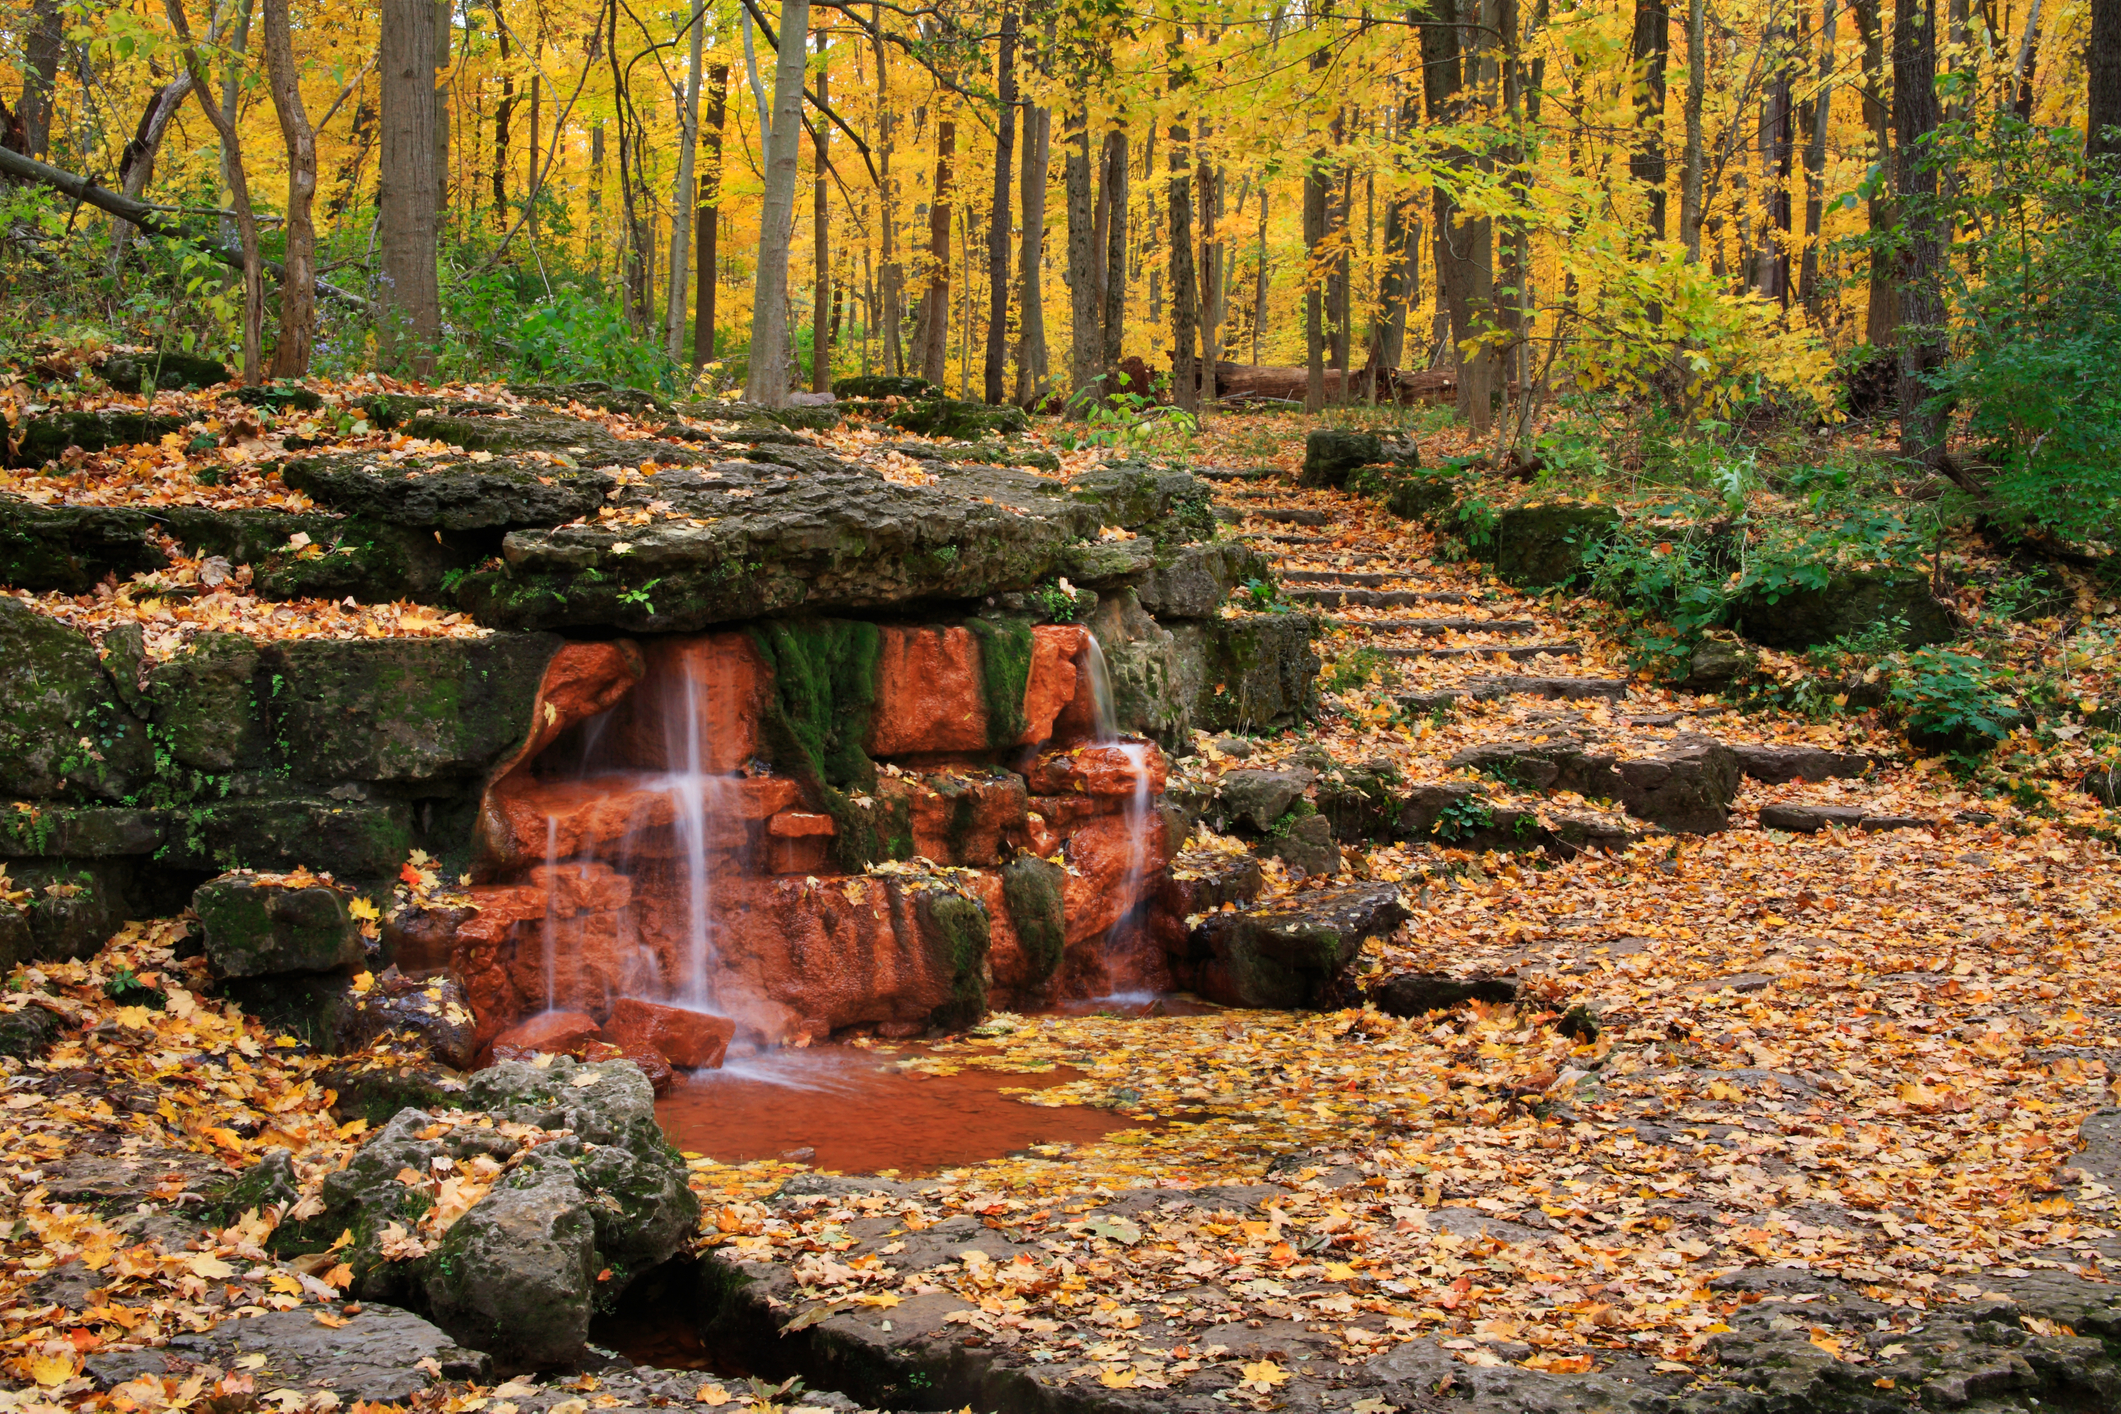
[{"x": 143, "y": 216}]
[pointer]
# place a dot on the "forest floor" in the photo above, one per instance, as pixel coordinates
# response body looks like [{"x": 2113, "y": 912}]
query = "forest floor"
[{"x": 1856, "y": 1055}]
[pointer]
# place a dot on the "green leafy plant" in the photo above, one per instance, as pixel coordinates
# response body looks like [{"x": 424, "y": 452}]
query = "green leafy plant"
[
  {"x": 1951, "y": 699},
  {"x": 1463, "y": 818}
]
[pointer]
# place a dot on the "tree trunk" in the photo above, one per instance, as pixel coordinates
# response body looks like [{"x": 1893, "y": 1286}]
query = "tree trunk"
[
  {"x": 1815, "y": 163},
  {"x": 298, "y": 288},
  {"x": 136, "y": 165},
  {"x": 1696, "y": 93},
  {"x": 890, "y": 278},
  {"x": 708, "y": 223},
  {"x": 996, "y": 367},
  {"x": 1648, "y": 55},
  {"x": 821, "y": 240},
  {"x": 1033, "y": 362},
  {"x": 2028, "y": 60},
  {"x": 232, "y": 53},
  {"x": 41, "y": 52},
  {"x": 1210, "y": 183},
  {"x": 1260, "y": 278},
  {"x": 1317, "y": 222},
  {"x": 1881, "y": 314},
  {"x": 1115, "y": 281},
  {"x": 1086, "y": 332},
  {"x": 409, "y": 321},
  {"x": 1462, "y": 245},
  {"x": 239, "y": 193},
  {"x": 503, "y": 114},
  {"x": 1921, "y": 336},
  {"x": 1185, "y": 292},
  {"x": 767, "y": 378},
  {"x": 682, "y": 194},
  {"x": 2102, "y": 81},
  {"x": 935, "y": 305}
]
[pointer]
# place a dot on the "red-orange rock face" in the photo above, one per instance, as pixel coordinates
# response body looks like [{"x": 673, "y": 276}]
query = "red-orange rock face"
[
  {"x": 1112, "y": 867},
  {"x": 701, "y": 701},
  {"x": 1106, "y": 769},
  {"x": 557, "y": 1032},
  {"x": 928, "y": 699},
  {"x": 686, "y": 1038}
]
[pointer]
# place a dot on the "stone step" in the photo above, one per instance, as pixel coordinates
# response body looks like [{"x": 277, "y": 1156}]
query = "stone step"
[
  {"x": 1287, "y": 515},
  {"x": 1435, "y": 626},
  {"x": 1519, "y": 652},
  {"x": 1777, "y": 764},
  {"x": 1327, "y": 598},
  {"x": 1283, "y": 539},
  {"x": 1686, "y": 784},
  {"x": 1800, "y": 819},
  {"x": 1494, "y": 689},
  {"x": 1367, "y": 579},
  {"x": 1236, "y": 473}
]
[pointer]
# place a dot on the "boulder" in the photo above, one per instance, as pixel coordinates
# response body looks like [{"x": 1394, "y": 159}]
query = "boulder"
[
  {"x": 430, "y": 1010},
  {"x": 751, "y": 538},
  {"x": 634, "y": 402},
  {"x": 1137, "y": 495},
  {"x": 1544, "y": 546},
  {"x": 381, "y": 1355},
  {"x": 435, "y": 491},
  {"x": 1258, "y": 798},
  {"x": 80, "y": 831},
  {"x": 1307, "y": 845},
  {"x": 363, "y": 559},
  {"x": 75, "y": 904},
  {"x": 989, "y": 453},
  {"x": 1847, "y": 605},
  {"x": 1717, "y": 665},
  {"x": 1774, "y": 763},
  {"x": 161, "y": 370},
  {"x": 70, "y": 548},
  {"x": 1802, "y": 819},
  {"x": 885, "y": 385},
  {"x": 1686, "y": 785},
  {"x": 556, "y": 1033},
  {"x": 686, "y": 1038},
  {"x": 1330, "y": 453},
  {"x": 256, "y": 928},
  {"x": 1291, "y": 953},
  {"x": 1421, "y": 495},
  {"x": 1154, "y": 681},
  {"x": 63, "y": 729},
  {"x": 1418, "y": 993},
  {"x": 966, "y": 421},
  {"x": 354, "y": 839},
  {"x": 569, "y": 1226},
  {"x": 1255, "y": 673},
  {"x": 1194, "y": 580},
  {"x": 28, "y": 1031},
  {"x": 44, "y": 437}
]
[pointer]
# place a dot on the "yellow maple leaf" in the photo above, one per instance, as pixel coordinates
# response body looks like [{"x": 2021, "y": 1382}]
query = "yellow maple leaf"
[
  {"x": 53, "y": 1367},
  {"x": 1263, "y": 1375},
  {"x": 712, "y": 1395},
  {"x": 206, "y": 1264},
  {"x": 1116, "y": 1377},
  {"x": 364, "y": 910}
]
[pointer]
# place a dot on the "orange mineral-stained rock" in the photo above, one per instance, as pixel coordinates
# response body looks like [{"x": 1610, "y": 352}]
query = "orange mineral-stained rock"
[
  {"x": 558, "y": 1032},
  {"x": 1056, "y": 678},
  {"x": 928, "y": 698},
  {"x": 686, "y": 1038},
  {"x": 1106, "y": 768},
  {"x": 1103, "y": 855},
  {"x": 962, "y": 817},
  {"x": 526, "y": 818},
  {"x": 582, "y": 680},
  {"x": 702, "y": 701}
]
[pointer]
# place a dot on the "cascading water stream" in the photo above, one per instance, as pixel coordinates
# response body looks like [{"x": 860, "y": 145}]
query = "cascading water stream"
[
  {"x": 1124, "y": 935},
  {"x": 691, "y": 792}
]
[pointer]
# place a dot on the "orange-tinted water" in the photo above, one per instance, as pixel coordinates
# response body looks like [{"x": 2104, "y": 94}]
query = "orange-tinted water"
[{"x": 858, "y": 1113}]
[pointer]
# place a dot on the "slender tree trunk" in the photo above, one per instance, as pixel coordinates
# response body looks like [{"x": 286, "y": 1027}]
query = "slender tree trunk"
[
  {"x": 1115, "y": 282},
  {"x": 935, "y": 313},
  {"x": 503, "y": 117},
  {"x": 1920, "y": 274},
  {"x": 41, "y": 52},
  {"x": 239, "y": 191},
  {"x": 767, "y": 377},
  {"x": 708, "y": 223},
  {"x": 1260, "y": 279},
  {"x": 298, "y": 286},
  {"x": 1033, "y": 361},
  {"x": 2102, "y": 81},
  {"x": 236, "y": 47},
  {"x": 890, "y": 277},
  {"x": 2028, "y": 60},
  {"x": 1086, "y": 329},
  {"x": 1696, "y": 93},
  {"x": 1462, "y": 243},
  {"x": 1317, "y": 226},
  {"x": 682, "y": 197},
  {"x": 820, "y": 234},
  {"x": 1648, "y": 56},
  {"x": 995, "y": 370},
  {"x": 136, "y": 165},
  {"x": 1815, "y": 163},
  {"x": 1185, "y": 292},
  {"x": 1210, "y": 182},
  {"x": 1882, "y": 313}
]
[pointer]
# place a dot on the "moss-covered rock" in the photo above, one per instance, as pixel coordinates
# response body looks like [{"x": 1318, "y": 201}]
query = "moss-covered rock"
[
  {"x": 635, "y": 402},
  {"x": 39, "y": 829},
  {"x": 1848, "y": 604},
  {"x": 987, "y": 453},
  {"x": 74, "y": 905},
  {"x": 355, "y": 839},
  {"x": 1254, "y": 673},
  {"x": 63, "y": 730},
  {"x": 366, "y": 560},
  {"x": 954, "y": 927},
  {"x": 1291, "y": 953},
  {"x": 1154, "y": 680},
  {"x": 885, "y": 385},
  {"x": 1544, "y": 546},
  {"x": 27, "y": 1032},
  {"x": 440, "y": 492},
  {"x": 965, "y": 421},
  {"x": 255, "y": 928},
  {"x": 409, "y": 712},
  {"x": 42, "y": 438},
  {"x": 1331, "y": 453},
  {"x": 1194, "y": 581},
  {"x": 1135, "y": 495},
  {"x": 70, "y": 548},
  {"x": 162, "y": 370},
  {"x": 1032, "y": 894},
  {"x": 1420, "y": 495},
  {"x": 207, "y": 709}
]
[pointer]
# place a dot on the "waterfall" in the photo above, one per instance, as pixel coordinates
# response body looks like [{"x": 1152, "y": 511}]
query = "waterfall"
[
  {"x": 552, "y": 918},
  {"x": 1125, "y": 934},
  {"x": 692, "y": 793}
]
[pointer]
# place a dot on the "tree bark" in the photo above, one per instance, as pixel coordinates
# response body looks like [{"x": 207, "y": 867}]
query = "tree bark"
[
  {"x": 1648, "y": 55},
  {"x": 136, "y": 165},
  {"x": 1462, "y": 245},
  {"x": 2028, "y": 60},
  {"x": 767, "y": 379},
  {"x": 503, "y": 115},
  {"x": 1260, "y": 279},
  {"x": 890, "y": 277},
  {"x": 1815, "y": 163},
  {"x": 1696, "y": 93},
  {"x": 40, "y": 75},
  {"x": 1210, "y": 184},
  {"x": 821, "y": 240},
  {"x": 1317, "y": 223},
  {"x": 1777, "y": 144},
  {"x": 1086, "y": 330},
  {"x": 1921, "y": 335},
  {"x": 239, "y": 192},
  {"x": 298, "y": 288},
  {"x": 410, "y": 317},
  {"x": 996, "y": 367},
  {"x": 935, "y": 304},
  {"x": 707, "y": 225},
  {"x": 1881, "y": 313},
  {"x": 1114, "y": 285},
  {"x": 1033, "y": 361},
  {"x": 1185, "y": 292},
  {"x": 683, "y": 194},
  {"x": 2102, "y": 81}
]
